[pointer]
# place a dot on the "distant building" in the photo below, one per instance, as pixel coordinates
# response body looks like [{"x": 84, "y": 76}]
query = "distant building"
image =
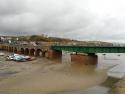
[
  {"x": 5, "y": 39},
  {"x": 24, "y": 42}
]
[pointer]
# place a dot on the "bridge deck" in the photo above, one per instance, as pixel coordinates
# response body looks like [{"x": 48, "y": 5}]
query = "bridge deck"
[{"x": 88, "y": 49}]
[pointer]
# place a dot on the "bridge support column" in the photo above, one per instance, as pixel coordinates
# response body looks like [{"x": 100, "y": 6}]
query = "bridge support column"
[
  {"x": 53, "y": 54},
  {"x": 84, "y": 59},
  {"x": 44, "y": 54}
]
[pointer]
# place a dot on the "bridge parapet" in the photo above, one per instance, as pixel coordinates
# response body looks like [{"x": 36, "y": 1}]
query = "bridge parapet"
[
  {"x": 30, "y": 46},
  {"x": 90, "y": 49}
]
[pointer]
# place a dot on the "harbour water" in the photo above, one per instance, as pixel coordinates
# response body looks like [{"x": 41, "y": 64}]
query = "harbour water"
[
  {"x": 66, "y": 79},
  {"x": 114, "y": 64}
]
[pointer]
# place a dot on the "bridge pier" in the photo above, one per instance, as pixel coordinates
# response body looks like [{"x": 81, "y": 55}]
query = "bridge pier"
[
  {"x": 26, "y": 51},
  {"x": 43, "y": 54},
  {"x": 0, "y": 47},
  {"x": 84, "y": 59},
  {"x": 53, "y": 54}
]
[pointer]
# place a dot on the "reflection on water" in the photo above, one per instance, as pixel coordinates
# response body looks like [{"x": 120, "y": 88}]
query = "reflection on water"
[
  {"x": 114, "y": 63},
  {"x": 115, "y": 66}
]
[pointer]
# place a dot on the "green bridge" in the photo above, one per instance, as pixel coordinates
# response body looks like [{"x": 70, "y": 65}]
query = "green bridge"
[{"x": 90, "y": 49}]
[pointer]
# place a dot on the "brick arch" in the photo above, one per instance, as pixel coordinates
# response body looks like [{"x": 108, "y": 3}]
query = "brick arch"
[
  {"x": 38, "y": 52},
  {"x": 6, "y": 48},
  {"x": 22, "y": 51},
  {"x": 27, "y": 51},
  {"x": 32, "y": 52},
  {"x": 15, "y": 50},
  {"x": 45, "y": 53},
  {"x": 10, "y": 49}
]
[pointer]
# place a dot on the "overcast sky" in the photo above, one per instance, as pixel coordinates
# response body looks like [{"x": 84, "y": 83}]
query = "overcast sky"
[{"x": 75, "y": 19}]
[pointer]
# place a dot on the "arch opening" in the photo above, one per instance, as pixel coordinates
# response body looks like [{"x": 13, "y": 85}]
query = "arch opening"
[
  {"x": 22, "y": 51},
  {"x": 26, "y": 51},
  {"x": 12, "y": 49},
  {"x": 15, "y": 50},
  {"x": 38, "y": 52},
  {"x": 9, "y": 49},
  {"x": 32, "y": 52}
]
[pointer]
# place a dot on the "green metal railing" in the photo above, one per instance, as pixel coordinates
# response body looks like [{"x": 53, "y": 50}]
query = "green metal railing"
[{"x": 87, "y": 49}]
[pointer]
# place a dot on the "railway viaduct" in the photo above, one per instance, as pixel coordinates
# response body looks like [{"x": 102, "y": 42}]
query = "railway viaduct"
[
  {"x": 25, "y": 49},
  {"x": 55, "y": 52}
]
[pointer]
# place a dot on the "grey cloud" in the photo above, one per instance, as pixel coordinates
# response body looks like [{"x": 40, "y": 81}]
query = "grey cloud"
[
  {"x": 10, "y": 7},
  {"x": 62, "y": 18}
]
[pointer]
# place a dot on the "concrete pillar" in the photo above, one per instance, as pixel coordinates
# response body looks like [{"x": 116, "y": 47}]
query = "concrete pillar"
[
  {"x": 84, "y": 59},
  {"x": 53, "y": 54}
]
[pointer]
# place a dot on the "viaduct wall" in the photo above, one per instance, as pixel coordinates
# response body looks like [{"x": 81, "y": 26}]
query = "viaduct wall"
[
  {"x": 25, "y": 49},
  {"x": 45, "y": 51}
]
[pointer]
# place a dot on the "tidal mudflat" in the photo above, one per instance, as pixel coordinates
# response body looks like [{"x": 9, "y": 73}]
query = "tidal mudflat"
[{"x": 43, "y": 76}]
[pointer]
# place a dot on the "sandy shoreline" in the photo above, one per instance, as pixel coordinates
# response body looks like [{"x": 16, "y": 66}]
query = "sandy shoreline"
[{"x": 119, "y": 87}]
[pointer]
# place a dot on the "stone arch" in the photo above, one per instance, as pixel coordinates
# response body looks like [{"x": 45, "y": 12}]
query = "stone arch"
[
  {"x": 15, "y": 50},
  {"x": 45, "y": 53},
  {"x": 27, "y": 51},
  {"x": 32, "y": 52},
  {"x": 10, "y": 49},
  {"x": 22, "y": 51},
  {"x": 3, "y": 47},
  {"x": 38, "y": 52},
  {"x": 6, "y": 48}
]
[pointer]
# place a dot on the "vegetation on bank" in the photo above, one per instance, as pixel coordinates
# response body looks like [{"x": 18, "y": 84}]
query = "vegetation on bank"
[{"x": 44, "y": 38}]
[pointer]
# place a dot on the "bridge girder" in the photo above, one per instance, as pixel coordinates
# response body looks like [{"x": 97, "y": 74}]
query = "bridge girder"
[{"x": 85, "y": 49}]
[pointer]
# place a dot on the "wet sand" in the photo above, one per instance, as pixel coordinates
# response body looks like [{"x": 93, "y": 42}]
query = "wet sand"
[
  {"x": 51, "y": 77},
  {"x": 119, "y": 87}
]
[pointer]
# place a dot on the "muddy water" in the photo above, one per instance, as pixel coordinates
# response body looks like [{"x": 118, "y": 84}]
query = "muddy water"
[
  {"x": 43, "y": 76},
  {"x": 114, "y": 64}
]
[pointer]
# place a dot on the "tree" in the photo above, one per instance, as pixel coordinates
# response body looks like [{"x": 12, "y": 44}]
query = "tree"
[{"x": 37, "y": 38}]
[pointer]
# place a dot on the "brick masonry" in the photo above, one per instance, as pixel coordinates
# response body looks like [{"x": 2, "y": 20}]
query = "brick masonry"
[
  {"x": 52, "y": 54},
  {"x": 84, "y": 59}
]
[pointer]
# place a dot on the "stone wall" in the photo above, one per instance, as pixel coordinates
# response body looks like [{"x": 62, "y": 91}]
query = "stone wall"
[{"x": 52, "y": 54}]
